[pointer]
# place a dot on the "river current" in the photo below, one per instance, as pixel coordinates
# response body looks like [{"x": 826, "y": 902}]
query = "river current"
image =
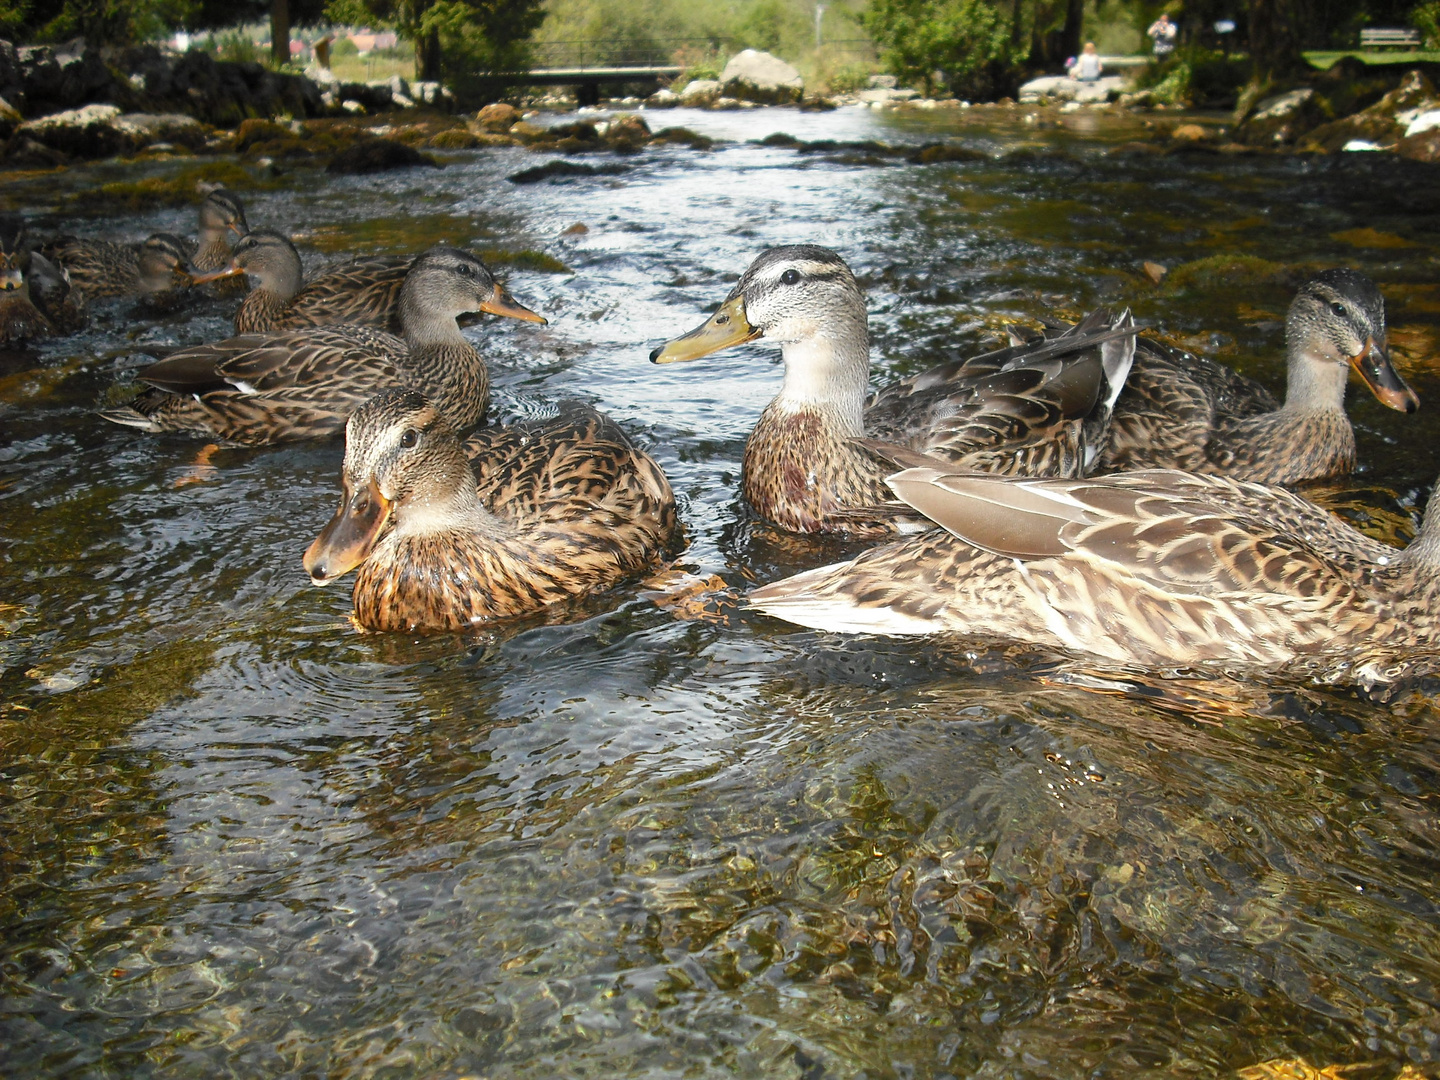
[{"x": 656, "y": 835}]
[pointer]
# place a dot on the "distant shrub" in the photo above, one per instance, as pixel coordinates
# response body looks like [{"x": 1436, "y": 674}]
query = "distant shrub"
[
  {"x": 847, "y": 78},
  {"x": 1426, "y": 19}
]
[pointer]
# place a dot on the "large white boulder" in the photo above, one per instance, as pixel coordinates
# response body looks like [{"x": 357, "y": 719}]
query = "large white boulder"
[
  {"x": 699, "y": 93},
  {"x": 757, "y": 76}
]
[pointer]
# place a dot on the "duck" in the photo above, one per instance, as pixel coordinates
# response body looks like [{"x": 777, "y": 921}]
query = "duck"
[
  {"x": 304, "y": 384},
  {"x": 562, "y": 508},
  {"x": 1154, "y": 567},
  {"x": 222, "y": 215},
  {"x": 155, "y": 269},
  {"x": 810, "y": 464},
  {"x": 1179, "y": 411},
  {"x": 20, "y": 319},
  {"x": 280, "y": 300}
]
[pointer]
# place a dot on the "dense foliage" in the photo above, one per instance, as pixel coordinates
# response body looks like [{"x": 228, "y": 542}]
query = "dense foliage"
[{"x": 965, "y": 42}]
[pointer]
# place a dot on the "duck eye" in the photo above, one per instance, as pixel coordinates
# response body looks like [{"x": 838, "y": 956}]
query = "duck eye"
[
  {"x": 1338, "y": 308},
  {"x": 790, "y": 277},
  {"x": 409, "y": 439},
  {"x": 467, "y": 270}
]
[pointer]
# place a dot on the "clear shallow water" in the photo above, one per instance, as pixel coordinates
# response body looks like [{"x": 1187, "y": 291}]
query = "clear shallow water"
[{"x": 240, "y": 839}]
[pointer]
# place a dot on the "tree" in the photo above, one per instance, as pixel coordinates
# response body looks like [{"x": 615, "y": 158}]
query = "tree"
[{"x": 966, "y": 41}]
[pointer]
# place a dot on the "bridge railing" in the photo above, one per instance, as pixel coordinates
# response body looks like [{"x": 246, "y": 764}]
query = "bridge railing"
[{"x": 662, "y": 51}]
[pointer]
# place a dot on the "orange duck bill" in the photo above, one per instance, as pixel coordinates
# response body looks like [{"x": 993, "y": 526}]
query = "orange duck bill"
[
  {"x": 500, "y": 302},
  {"x": 350, "y": 536},
  {"x": 726, "y": 327},
  {"x": 198, "y": 277},
  {"x": 1373, "y": 365}
]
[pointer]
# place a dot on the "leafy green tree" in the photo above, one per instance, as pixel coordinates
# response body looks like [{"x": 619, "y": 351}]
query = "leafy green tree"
[
  {"x": 100, "y": 21},
  {"x": 969, "y": 42}
]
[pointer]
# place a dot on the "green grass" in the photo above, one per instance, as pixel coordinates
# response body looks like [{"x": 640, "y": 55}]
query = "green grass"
[
  {"x": 1323, "y": 60},
  {"x": 378, "y": 65}
]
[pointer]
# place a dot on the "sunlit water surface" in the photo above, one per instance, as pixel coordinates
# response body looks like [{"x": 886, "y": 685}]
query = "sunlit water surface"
[{"x": 673, "y": 838}]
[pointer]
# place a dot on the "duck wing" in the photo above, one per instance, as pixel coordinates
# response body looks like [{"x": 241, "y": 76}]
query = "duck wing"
[
  {"x": 361, "y": 292},
  {"x": 266, "y": 388},
  {"x": 1171, "y": 407},
  {"x": 1036, "y": 408}
]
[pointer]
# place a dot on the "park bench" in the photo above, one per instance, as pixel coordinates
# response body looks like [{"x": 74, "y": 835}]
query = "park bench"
[{"x": 1386, "y": 37}]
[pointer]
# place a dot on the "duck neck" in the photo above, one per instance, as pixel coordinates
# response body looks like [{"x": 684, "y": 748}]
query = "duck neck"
[
  {"x": 1313, "y": 383},
  {"x": 828, "y": 372},
  {"x": 452, "y": 374}
]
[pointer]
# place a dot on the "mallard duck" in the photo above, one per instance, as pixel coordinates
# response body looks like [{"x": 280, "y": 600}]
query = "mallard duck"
[
  {"x": 1155, "y": 567},
  {"x": 154, "y": 269},
  {"x": 564, "y": 507},
  {"x": 280, "y": 302},
  {"x": 1181, "y": 412},
  {"x": 301, "y": 384},
  {"x": 222, "y": 216},
  {"x": 20, "y": 319},
  {"x": 361, "y": 292},
  {"x": 1032, "y": 409}
]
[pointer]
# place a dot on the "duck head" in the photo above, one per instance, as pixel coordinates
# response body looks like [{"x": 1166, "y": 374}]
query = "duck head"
[
  {"x": 1337, "y": 320},
  {"x": 404, "y": 471}
]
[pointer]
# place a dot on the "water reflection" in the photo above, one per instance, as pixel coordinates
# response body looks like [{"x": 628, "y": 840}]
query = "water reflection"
[{"x": 240, "y": 837}]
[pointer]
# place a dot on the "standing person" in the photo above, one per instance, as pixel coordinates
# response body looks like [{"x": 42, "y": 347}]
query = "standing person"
[
  {"x": 1087, "y": 67},
  {"x": 1164, "y": 32}
]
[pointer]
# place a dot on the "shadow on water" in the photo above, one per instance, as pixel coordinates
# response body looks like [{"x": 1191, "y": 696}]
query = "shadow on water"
[{"x": 240, "y": 838}]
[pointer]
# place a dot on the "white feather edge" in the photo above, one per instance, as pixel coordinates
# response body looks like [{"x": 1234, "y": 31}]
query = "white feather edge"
[{"x": 791, "y": 600}]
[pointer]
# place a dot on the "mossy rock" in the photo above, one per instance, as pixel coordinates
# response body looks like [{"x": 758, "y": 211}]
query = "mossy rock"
[
  {"x": 689, "y": 138},
  {"x": 455, "y": 139},
  {"x": 179, "y": 189},
  {"x": 526, "y": 259},
  {"x": 1220, "y": 271},
  {"x": 378, "y": 155},
  {"x": 251, "y": 132}
]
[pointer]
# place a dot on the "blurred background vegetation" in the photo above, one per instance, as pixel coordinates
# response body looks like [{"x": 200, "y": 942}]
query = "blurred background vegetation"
[{"x": 974, "y": 49}]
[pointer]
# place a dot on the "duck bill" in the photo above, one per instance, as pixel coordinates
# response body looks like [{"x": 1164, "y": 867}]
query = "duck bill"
[
  {"x": 726, "y": 327},
  {"x": 1373, "y": 365},
  {"x": 213, "y": 275},
  {"x": 10, "y": 279},
  {"x": 237, "y": 228},
  {"x": 350, "y": 536},
  {"x": 500, "y": 302}
]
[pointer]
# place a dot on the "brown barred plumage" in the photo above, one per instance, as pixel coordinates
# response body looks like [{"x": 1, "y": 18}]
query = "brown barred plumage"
[
  {"x": 299, "y": 384},
  {"x": 1179, "y": 411},
  {"x": 1153, "y": 567},
  {"x": 553, "y": 510},
  {"x": 1037, "y": 409}
]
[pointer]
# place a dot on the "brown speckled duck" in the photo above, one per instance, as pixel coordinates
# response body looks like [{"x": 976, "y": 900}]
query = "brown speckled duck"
[
  {"x": 1031, "y": 409},
  {"x": 280, "y": 300},
  {"x": 20, "y": 318},
  {"x": 1182, "y": 412},
  {"x": 300, "y": 384},
  {"x": 1155, "y": 567},
  {"x": 222, "y": 221},
  {"x": 564, "y": 507},
  {"x": 154, "y": 269}
]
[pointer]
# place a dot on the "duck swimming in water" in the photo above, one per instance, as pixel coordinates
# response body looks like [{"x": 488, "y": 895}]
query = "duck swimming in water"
[
  {"x": 303, "y": 384},
  {"x": 563, "y": 508},
  {"x": 1179, "y": 411},
  {"x": 1031, "y": 409}
]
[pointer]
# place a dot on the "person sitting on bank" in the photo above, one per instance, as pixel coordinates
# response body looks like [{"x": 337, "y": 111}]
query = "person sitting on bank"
[
  {"x": 1164, "y": 32},
  {"x": 1087, "y": 67}
]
